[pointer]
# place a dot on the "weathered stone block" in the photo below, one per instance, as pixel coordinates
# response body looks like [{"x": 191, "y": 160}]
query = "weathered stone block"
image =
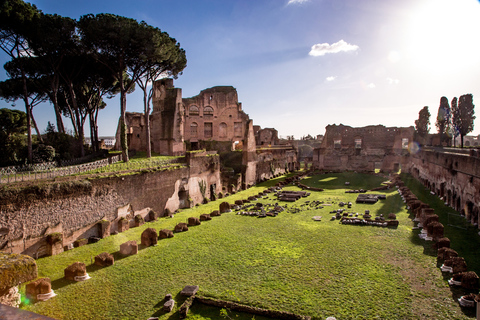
[
  {"x": 39, "y": 286},
  {"x": 168, "y": 305},
  {"x": 149, "y": 237},
  {"x": 189, "y": 291},
  {"x": 165, "y": 233},
  {"x": 123, "y": 225},
  {"x": 76, "y": 269},
  {"x": 104, "y": 259},
  {"x": 215, "y": 213},
  {"x": 129, "y": 248},
  {"x": 139, "y": 221},
  {"x": 15, "y": 269},
  {"x": 182, "y": 226},
  {"x": 152, "y": 216},
  {"x": 224, "y": 207},
  {"x": 205, "y": 217},
  {"x": 104, "y": 228},
  {"x": 80, "y": 242},
  {"x": 54, "y": 243},
  {"x": 193, "y": 221}
]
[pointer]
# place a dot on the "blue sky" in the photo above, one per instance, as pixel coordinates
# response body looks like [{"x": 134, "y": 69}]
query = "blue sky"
[{"x": 299, "y": 65}]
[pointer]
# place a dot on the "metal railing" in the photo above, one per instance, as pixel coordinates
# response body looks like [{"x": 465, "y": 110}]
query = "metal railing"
[{"x": 50, "y": 170}]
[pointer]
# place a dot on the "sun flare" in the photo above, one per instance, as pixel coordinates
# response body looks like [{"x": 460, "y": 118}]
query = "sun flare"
[{"x": 444, "y": 34}]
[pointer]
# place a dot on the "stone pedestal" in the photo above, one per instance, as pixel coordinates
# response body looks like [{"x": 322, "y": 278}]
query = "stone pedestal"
[
  {"x": 104, "y": 259},
  {"x": 76, "y": 272},
  {"x": 104, "y": 228},
  {"x": 54, "y": 243},
  {"x": 123, "y": 225},
  {"x": 149, "y": 237},
  {"x": 129, "y": 248}
]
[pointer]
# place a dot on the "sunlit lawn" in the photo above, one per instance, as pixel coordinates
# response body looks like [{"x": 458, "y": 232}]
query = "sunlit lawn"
[{"x": 289, "y": 263}]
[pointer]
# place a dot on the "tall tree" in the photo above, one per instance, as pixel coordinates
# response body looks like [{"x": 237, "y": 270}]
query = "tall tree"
[
  {"x": 123, "y": 45},
  {"x": 53, "y": 38},
  {"x": 165, "y": 58},
  {"x": 443, "y": 118},
  {"x": 422, "y": 124},
  {"x": 17, "y": 20},
  {"x": 463, "y": 115}
]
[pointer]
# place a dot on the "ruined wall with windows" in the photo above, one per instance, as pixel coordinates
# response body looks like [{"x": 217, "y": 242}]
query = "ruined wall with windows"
[
  {"x": 214, "y": 115},
  {"x": 179, "y": 124},
  {"x": 363, "y": 149}
]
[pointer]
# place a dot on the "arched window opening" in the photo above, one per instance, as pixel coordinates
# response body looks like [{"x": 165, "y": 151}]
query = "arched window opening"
[
  {"x": 208, "y": 111},
  {"x": 193, "y": 111}
]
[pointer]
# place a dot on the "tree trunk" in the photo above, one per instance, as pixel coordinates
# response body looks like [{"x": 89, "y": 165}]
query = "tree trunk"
[
  {"x": 92, "y": 135},
  {"x": 95, "y": 128},
  {"x": 58, "y": 115},
  {"x": 29, "y": 117},
  {"x": 461, "y": 140},
  {"x": 123, "y": 125},
  {"x": 39, "y": 135},
  {"x": 147, "y": 123}
]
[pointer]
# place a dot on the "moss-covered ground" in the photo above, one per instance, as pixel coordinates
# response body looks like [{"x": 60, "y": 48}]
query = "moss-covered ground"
[{"x": 289, "y": 262}]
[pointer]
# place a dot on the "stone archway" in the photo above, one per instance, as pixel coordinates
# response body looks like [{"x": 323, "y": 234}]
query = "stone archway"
[
  {"x": 442, "y": 190},
  {"x": 449, "y": 197}
]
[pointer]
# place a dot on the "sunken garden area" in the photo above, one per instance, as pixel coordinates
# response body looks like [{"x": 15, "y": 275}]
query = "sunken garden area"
[{"x": 302, "y": 257}]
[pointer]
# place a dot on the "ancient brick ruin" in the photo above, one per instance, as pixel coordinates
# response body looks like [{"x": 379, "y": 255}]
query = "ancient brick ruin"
[
  {"x": 363, "y": 149},
  {"x": 179, "y": 124},
  {"x": 452, "y": 174}
]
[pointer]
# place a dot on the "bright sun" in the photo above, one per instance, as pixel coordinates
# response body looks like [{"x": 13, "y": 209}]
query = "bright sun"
[{"x": 444, "y": 34}]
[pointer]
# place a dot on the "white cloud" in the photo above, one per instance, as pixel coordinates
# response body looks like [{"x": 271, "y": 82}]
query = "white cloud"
[
  {"x": 371, "y": 86},
  {"x": 296, "y": 1},
  {"x": 393, "y": 81},
  {"x": 331, "y": 78},
  {"x": 321, "y": 49}
]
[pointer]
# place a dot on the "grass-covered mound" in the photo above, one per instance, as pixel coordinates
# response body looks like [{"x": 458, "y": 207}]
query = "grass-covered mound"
[{"x": 289, "y": 262}]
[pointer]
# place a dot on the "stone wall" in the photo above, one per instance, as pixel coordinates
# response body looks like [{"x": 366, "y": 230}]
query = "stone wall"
[
  {"x": 363, "y": 149},
  {"x": 455, "y": 177},
  {"x": 75, "y": 208}
]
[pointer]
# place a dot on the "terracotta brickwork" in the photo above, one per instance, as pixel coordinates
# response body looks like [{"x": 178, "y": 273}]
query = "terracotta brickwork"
[{"x": 363, "y": 149}]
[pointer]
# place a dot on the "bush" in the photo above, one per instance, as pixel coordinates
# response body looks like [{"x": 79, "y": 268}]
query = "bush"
[{"x": 43, "y": 153}]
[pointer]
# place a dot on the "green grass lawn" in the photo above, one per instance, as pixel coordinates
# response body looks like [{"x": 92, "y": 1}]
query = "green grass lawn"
[{"x": 289, "y": 263}]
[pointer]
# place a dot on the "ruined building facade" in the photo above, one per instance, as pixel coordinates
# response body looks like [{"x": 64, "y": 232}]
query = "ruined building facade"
[
  {"x": 178, "y": 124},
  {"x": 363, "y": 149},
  {"x": 212, "y": 120}
]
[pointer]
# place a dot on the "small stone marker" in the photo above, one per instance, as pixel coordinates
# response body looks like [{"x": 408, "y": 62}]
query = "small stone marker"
[
  {"x": 165, "y": 233},
  {"x": 149, "y": 237},
  {"x": 129, "y": 248},
  {"x": 168, "y": 305},
  {"x": 193, "y": 221},
  {"x": 189, "y": 291},
  {"x": 180, "y": 227},
  {"x": 104, "y": 259},
  {"x": 317, "y": 218},
  {"x": 76, "y": 272}
]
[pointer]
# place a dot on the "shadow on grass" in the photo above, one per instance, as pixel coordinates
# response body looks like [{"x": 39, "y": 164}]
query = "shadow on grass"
[
  {"x": 428, "y": 246},
  {"x": 93, "y": 267},
  {"x": 458, "y": 292},
  {"x": 179, "y": 300},
  {"x": 60, "y": 283},
  {"x": 118, "y": 256}
]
